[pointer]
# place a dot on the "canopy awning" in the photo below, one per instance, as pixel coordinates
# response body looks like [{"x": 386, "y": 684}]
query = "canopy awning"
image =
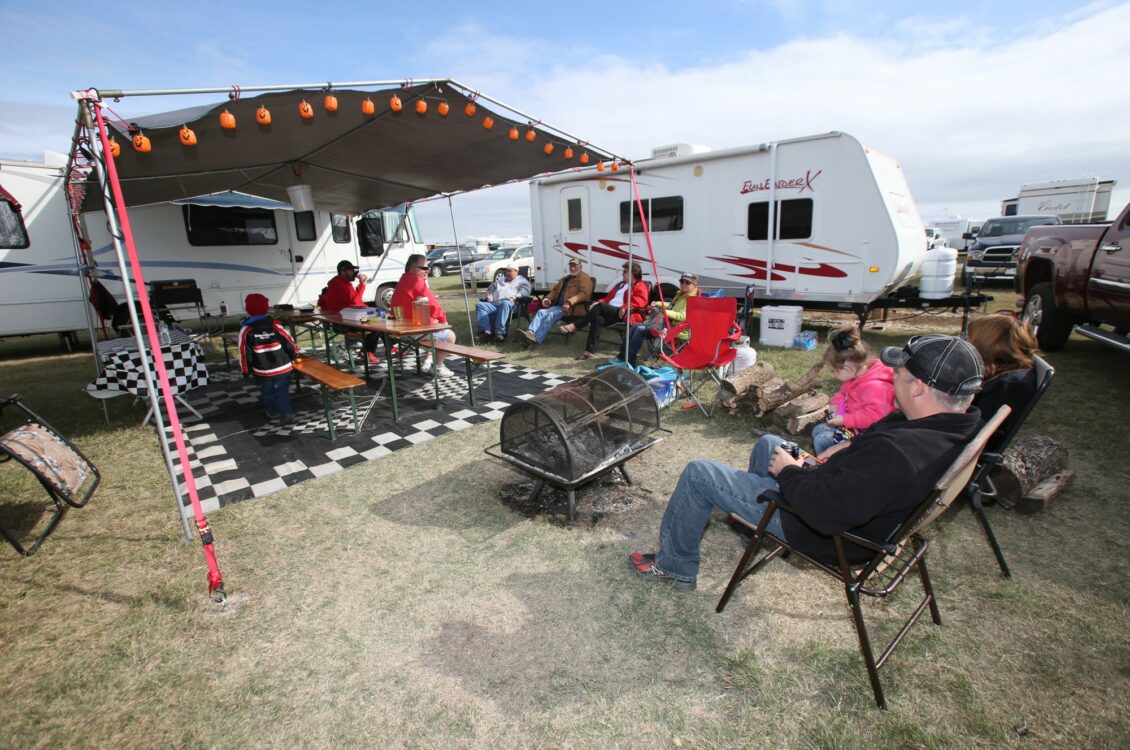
[{"x": 352, "y": 161}]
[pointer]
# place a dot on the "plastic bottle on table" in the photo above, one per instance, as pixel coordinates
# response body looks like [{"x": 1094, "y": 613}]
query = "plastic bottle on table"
[
  {"x": 163, "y": 333},
  {"x": 223, "y": 309}
]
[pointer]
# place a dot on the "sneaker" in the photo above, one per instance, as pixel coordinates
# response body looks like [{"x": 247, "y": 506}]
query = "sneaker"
[
  {"x": 486, "y": 336},
  {"x": 374, "y": 359},
  {"x": 530, "y": 336},
  {"x": 285, "y": 419},
  {"x": 500, "y": 338},
  {"x": 427, "y": 363},
  {"x": 646, "y": 568},
  {"x": 443, "y": 372}
]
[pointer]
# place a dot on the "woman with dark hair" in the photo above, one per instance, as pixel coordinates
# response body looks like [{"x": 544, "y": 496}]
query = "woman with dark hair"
[
  {"x": 613, "y": 308},
  {"x": 1006, "y": 344}
]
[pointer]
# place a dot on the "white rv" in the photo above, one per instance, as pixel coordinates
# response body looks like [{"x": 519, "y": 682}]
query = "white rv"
[
  {"x": 1078, "y": 201},
  {"x": 846, "y": 230},
  {"x": 952, "y": 230},
  {"x": 230, "y": 244}
]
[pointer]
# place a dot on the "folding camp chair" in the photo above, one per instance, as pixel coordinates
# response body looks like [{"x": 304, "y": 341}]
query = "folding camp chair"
[
  {"x": 981, "y": 486},
  {"x": 892, "y": 561},
  {"x": 182, "y": 301},
  {"x": 67, "y": 475},
  {"x": 713, "y": 326}
]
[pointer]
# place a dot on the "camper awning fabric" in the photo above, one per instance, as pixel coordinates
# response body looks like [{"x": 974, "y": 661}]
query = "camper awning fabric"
[
  {"x": 234, "y": 200},
  {"x": 352, "y": 161}
]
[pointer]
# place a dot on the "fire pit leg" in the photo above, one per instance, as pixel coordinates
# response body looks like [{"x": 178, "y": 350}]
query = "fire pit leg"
[
  {"x": 538, "y": 486},
  {"x": 572, "y": 505},
  {"x": 627, "y": 476}
]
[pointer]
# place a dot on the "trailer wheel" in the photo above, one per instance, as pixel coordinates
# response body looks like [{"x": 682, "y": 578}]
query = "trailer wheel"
[
  {"x": 384, "y": 296},
  {"x": 1050, "y": 325}
]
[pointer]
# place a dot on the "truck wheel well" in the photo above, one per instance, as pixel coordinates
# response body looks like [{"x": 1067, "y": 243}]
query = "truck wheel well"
[{"x": 1035, "y": 273}]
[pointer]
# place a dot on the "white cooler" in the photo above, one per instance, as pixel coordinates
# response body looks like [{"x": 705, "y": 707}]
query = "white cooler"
[{"x": 780, "y": 324}]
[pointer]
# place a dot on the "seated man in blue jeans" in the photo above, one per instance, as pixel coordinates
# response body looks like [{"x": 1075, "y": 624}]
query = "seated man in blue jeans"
[
  {"x": 868, "y": 486},
  {"x": 493, "y": 311}
]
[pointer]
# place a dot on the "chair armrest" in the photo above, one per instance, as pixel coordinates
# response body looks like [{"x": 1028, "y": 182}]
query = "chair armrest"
[{"x": 673, "y": 333}]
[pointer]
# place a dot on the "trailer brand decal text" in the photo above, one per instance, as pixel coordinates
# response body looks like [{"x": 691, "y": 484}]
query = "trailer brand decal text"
[{"x": 799, "y": 184}]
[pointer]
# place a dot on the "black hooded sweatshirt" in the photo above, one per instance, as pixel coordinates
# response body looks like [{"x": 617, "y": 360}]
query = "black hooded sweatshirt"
[{"x": 872, "y": 486}]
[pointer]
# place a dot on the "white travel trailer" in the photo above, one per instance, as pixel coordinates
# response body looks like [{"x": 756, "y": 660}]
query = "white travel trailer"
[
  {"x": 846, "y": 229},
  {"x": 230, "y": 244},
  {"x": 1079, "y": 201}
]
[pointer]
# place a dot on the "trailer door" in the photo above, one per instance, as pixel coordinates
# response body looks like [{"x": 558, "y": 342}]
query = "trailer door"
[{"x": 575, "y": 233}]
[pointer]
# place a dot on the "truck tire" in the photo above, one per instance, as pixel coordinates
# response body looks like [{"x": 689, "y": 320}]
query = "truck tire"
[
  {"x": 436, "y": 270},
  {"x": 1049, "y": 323}
]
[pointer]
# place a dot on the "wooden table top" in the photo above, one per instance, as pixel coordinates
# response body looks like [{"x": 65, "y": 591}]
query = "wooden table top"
[{"x": 379, "y": 325}]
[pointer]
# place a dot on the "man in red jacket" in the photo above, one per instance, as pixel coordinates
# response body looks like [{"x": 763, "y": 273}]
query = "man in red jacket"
[{"x": 340, "y": 292}]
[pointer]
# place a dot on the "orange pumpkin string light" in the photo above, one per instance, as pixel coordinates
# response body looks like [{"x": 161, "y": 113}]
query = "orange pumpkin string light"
[
  {"x": 600, "y": 166},
  {"x": 368, "y": 108},
  {"x": 331, "y": 103},
  {"x": 469, "y": 110},
  {"x": 263, "y": 116},
  {"x": 615, "y": 165},
  {"x": 421, "y": 107},
  {"x": 115, "y": 148},
  {"x": 531, "y": 135},
  {"x": 141, "y": 143},
  {"x": 513, "y": 134},
  {"x": 488, "y": 122},
  {"x": 547, "y": 148},
  {"x": 584, "y": 157},
  {"x": 443, "y": 108},
  {"x": 187, "y": 137},
  {"x": 395, "y": 104},
  {"x": 227, "y": 120},
  {"x": 568, "y": 152},
  {"x": 305, "y": 110}
]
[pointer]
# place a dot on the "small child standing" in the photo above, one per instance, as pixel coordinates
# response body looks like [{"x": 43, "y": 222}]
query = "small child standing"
[
  {"x": 867, "y": 394},
  {"x": 266, "y": 351}
]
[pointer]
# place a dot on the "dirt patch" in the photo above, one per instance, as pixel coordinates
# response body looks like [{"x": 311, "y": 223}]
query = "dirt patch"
[{"x": 606, "y": 501}]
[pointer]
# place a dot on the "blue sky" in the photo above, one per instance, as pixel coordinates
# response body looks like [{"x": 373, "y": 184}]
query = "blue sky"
[{"x": 973, "y": 98}]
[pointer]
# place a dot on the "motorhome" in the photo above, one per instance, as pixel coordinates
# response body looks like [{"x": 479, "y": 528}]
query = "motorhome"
[
  {"x": 845, "y": 227},
  {"x": 1079, "y": 201},
  {"x": 229, "y": 244},
  {"x": 952, "y": 230}
]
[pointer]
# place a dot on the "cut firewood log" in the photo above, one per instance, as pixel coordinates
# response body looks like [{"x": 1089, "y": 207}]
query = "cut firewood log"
[
  {"x": 1043, "y": 493},
  {"x": 802, "y": 423},
  {"x": 770, "y": 400},
  {"x": 809, "y": 401},
  {"x": 1025, "y": 464},
  {"x": 740, "y": 383}
]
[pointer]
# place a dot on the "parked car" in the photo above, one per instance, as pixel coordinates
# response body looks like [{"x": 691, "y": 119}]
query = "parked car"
[
  {"x": 993, "y": 252},
  {"x": 490, "y": 268},
  {"x": 934, "y": 238},
  {"x": 1077, "y": 277},
  {"x": 448, "y": 259}
]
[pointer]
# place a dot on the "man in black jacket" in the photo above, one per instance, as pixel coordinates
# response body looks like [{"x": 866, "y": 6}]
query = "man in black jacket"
[{"x": 868, "y": 487}]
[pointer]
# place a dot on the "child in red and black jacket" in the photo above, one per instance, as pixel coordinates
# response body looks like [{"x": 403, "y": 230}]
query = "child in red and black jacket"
[{"x": 266, "y": 351}]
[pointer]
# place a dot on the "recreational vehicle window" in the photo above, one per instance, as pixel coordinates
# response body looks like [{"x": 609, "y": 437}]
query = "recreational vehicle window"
[
  {"x": 304, "y": 227},
  {"x": 371, "y": 234},
  {"x": 575, "y": 221},
  {"x": 664, "y": 215},
  {"x": 213, "y": 225},
  {"x": 794, "y": 220},
  {"x": 13, "y": 233},
  {"x": 339, "y": 224}
]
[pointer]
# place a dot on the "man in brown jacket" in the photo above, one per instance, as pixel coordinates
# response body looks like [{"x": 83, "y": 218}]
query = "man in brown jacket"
[{"x": 569, "y": 296}]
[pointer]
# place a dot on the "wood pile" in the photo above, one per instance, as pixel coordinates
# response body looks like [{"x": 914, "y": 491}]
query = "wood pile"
[
  {"x": 1032, "y": 473},
  {"x": 795, "y": 407}
]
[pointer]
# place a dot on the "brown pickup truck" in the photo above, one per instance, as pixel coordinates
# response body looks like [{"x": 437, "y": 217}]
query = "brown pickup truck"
[{"x": 1077, "y": 277}]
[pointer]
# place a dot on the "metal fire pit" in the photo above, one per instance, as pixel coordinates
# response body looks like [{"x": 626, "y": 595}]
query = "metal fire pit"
[{"x": 572, "y": 434}]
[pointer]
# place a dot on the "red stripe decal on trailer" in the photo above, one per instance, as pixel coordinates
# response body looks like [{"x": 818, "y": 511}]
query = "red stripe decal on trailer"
[{"x": 820, "y": 269}]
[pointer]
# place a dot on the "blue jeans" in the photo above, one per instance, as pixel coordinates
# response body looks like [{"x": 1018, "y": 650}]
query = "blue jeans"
[
  {"x": 276, "y": 395},
  {"x": 493, "y": 316},
  {"x": 543, "y": 321},
  {"x": 703, "y": 486},
  {"x": 640, "y": 333},
  {"x": 823, "y": 437}
]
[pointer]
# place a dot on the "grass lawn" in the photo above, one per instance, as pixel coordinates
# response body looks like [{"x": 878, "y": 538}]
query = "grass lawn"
[{"x": 401, "y": 603}]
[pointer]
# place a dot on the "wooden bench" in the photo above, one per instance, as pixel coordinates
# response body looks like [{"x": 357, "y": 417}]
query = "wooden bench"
[
  {"x": 472, "y": 358},
  {"x": 331, "y": 379}
]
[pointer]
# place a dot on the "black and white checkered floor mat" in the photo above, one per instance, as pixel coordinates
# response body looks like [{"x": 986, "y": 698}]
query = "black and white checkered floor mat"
[{"x": 236, "y": 454}]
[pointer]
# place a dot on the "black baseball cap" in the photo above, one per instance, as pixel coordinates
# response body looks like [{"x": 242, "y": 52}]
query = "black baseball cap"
[
  {"x": 946, "y": 363},
  {"x": 346, "y": 265}
]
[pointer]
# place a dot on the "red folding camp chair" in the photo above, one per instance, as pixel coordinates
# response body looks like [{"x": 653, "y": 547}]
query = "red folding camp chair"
[{"x": 712, "y": 323}]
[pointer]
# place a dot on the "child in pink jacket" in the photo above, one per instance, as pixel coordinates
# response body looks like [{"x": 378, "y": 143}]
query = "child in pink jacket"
[{"x": 867, "y": 394}]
